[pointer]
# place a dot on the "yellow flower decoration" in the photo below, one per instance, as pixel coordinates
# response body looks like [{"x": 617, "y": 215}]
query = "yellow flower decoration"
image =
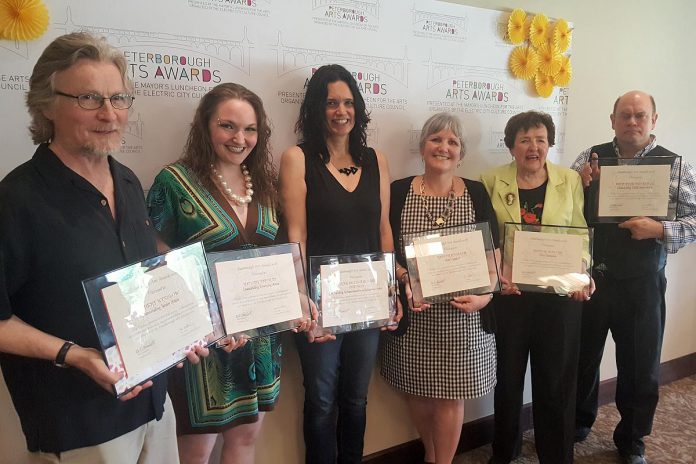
[
  {"x": 549, "y": 59},
  {"x": 23, "y": 19},
  {"x": 524, "y": 62},
  {"x": 543, "y": 85},
  {"x": 565, "y": 72},
  {"x": 527, "y": 27},
  {"x": 562, "y": 35},
  {"x": 516, "y": 29},
  {"x": 539, "y": 30}
]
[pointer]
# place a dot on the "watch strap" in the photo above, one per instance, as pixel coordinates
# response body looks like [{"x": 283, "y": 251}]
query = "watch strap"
[{"x": 62, "y": 353}]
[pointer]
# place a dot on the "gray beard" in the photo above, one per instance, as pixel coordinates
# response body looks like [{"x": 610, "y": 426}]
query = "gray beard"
[{"x": 94, "y": 152}]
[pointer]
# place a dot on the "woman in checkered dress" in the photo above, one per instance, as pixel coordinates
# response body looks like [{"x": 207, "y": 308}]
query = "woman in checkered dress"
[{"x": 445, "y": 352}]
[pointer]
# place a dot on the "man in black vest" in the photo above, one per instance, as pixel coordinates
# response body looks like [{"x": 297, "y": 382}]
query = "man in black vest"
[{"x": 629, "y": 271}]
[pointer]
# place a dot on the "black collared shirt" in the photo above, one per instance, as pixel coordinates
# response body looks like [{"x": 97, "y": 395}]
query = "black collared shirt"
[{"x": 56, "y": 229}]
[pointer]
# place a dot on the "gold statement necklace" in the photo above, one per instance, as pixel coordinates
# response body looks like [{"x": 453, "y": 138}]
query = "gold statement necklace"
[{"x": 441, "y": 218}]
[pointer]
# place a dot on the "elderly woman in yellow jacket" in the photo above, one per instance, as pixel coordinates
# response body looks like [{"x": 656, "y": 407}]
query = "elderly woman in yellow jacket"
[{"x": 543, "y": 327}]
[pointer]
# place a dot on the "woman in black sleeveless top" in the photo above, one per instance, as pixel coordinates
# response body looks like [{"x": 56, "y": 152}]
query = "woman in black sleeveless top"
[{"x": 335, "y": 194}]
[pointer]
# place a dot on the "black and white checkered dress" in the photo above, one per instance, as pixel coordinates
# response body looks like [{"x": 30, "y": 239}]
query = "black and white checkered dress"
[{"x": 444, "y": 353}]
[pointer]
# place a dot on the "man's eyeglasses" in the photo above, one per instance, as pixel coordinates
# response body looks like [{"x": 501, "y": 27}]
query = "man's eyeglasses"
[
  {"x": 639, "y": 117},
  {"x": 93, "y": 101}
]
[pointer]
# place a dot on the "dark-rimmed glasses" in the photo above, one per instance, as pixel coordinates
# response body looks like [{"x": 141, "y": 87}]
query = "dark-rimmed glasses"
[{"x": 93, "y": 101}]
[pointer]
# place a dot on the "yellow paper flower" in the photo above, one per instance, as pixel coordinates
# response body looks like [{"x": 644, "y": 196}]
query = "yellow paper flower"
[
  {"x": 549, "y": 59},
  {"x": 23, "y": 19},
  {"x": 565, "y": 72},
  {"x": 562, "y": 35},
  {"x": 523, "y": 62},
  {"x": 516, "y": 30},
  {"x": 539, "y": 30},
  {"x": 543, "y": 85},
  {"x": 527, "y": 27}
]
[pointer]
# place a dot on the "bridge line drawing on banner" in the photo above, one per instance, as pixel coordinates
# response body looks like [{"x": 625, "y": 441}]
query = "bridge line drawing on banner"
[
  {"x": 371, "y": 7},
  {"x": 440, "y": 25},
  {"x": 232, "y": 52},
  {"x": 291, "y": 59}
]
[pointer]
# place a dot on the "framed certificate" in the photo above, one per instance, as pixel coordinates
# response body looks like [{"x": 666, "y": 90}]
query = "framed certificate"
[
  {"x": 547, "y": 259},
  {"x": 148, "y": 314},
  {"x": 629, "y": 187},
  {"x": 448, "y": 262},
  {"x": 261, "y": 290},
  {"x": 353, "y": 292}
]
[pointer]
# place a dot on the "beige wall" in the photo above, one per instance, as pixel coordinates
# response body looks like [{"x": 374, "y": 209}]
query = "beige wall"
[{"x": 617, "y": 46}]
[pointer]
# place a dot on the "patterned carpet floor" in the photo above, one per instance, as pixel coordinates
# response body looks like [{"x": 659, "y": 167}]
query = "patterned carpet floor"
[{"x": 673, "y": 439}]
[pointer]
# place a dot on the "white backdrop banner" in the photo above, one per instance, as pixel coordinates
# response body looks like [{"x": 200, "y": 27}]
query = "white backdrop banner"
[{"x": 410, "y": 58}]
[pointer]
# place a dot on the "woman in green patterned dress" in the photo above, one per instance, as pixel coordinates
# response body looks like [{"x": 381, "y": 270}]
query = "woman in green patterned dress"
[{"x": 208, "y": 195}]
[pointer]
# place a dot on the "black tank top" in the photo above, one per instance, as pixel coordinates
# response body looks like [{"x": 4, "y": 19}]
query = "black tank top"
[{"x": 338, "y": 221}]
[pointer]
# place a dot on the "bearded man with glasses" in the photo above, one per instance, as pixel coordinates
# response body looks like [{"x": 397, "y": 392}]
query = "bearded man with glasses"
[{"x": 69, "y": 213}]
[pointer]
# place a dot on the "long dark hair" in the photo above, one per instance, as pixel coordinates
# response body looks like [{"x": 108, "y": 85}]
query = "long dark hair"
[
  {"x": 311, "y": 124},
  {"x": 199, "y": 153}
]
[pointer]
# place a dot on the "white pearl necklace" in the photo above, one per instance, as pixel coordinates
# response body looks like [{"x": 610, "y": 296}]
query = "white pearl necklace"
[{"x": 239, "y": 200}]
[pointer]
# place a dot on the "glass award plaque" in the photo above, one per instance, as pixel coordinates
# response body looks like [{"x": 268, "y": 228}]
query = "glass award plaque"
[
  {"x": 547, "y": 259},
  {"x": 261, "y": 290},
  {"x": 449, "y": 262},
  {"x": 149, "y": 314},
  {"x": 353, "y": 292},
  {"x": 629, "y": 187}
]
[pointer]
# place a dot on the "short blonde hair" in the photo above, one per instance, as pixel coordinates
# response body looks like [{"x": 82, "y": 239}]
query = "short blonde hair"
[
  {"x": 60, "y": 55},
  {"x": 442, "y": 121}
]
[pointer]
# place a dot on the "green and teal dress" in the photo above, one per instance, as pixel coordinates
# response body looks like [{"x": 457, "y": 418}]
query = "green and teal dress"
[{"x": 224, "y": 389}]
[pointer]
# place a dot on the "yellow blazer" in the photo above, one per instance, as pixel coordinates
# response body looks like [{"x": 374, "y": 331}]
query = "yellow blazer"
[{"x": 563, "y": 203}]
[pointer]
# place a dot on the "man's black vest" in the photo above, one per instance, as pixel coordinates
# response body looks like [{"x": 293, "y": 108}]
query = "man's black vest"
[{"x": 622, "y": 256}]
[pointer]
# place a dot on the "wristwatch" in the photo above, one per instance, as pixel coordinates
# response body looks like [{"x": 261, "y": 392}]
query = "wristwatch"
[{"x": 60, "y": 357}]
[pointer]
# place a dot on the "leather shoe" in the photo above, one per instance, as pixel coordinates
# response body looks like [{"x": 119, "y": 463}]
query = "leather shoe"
[{"x": 635, "y": 459}]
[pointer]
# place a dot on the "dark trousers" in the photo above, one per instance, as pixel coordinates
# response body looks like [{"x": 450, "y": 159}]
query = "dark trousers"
[
  {"x": 336, "y": 379},
  {"x": 634, "y": 310},
  {"x": 546, "y": 329}
]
